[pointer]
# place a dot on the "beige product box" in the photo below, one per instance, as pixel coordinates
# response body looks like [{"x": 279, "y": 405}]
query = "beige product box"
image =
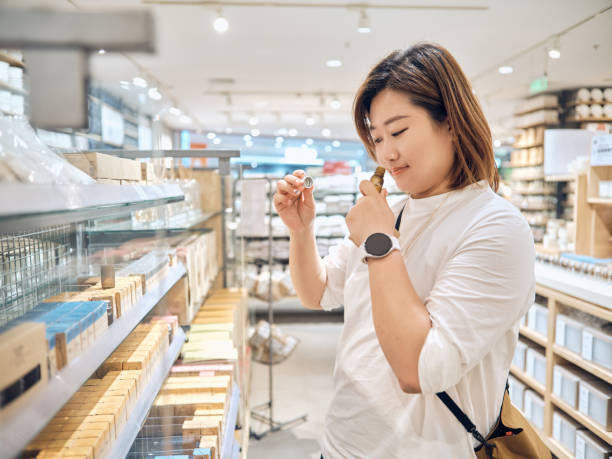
[
  {"x": 147, "y": 172},
  {"x": 23, "y": 356},
  {"x": 595, "y": 401},
  {"x": 101, "y": 166},
  {"x": 210, "y": 442}
]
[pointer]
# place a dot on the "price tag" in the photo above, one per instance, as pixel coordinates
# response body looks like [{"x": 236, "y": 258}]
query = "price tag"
[
  {"x": 587, "y": 345},
  {"x": 583, "y": 400},
  {"x": 557, "y": 382},
  {"x": 557, "y": 427},
  {"x": 560, "y": 337},
  {"x": 580, "y": 448}
]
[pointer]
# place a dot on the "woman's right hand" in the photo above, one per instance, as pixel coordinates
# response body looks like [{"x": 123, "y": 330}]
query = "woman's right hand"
[{"x": 294, "y": 204}]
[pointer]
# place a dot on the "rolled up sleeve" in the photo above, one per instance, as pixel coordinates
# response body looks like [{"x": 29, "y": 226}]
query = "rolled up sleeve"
[
  {"x": 335, "y": 269},
  {"x": 480, "y": 293}
]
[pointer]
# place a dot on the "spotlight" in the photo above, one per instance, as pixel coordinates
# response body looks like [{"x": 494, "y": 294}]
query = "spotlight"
[
  {"x": 505, "y": 69},
  {"x": 220, "y": 24},
  {"x": 364, "y": 23}
]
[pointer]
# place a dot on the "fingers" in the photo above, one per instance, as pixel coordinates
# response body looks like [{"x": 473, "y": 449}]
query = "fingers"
[
  {"x": 282, "y": 200},
  {"x": 285, "y": 187},
  {"x": 299, "y": 173},
  {"x": 367, "y": 188}
]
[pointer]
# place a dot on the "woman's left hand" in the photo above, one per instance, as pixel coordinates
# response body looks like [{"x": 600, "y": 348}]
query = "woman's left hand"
[{"x": 371, "y": 214}]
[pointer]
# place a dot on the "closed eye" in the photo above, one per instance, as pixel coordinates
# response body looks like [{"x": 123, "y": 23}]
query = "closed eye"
[{"x": 395, "y": 134}]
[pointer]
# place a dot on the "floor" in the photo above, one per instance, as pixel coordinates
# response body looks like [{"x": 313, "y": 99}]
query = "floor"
[{"x": 302, "y": 385}]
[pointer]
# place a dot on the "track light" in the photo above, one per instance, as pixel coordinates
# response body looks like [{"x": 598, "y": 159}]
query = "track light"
[
  {"x": 554, "y": 52},
  {"x": 220, "y": 24},
  {"x": 364, "y": 23},
  {"x": 505, "y": 69}
]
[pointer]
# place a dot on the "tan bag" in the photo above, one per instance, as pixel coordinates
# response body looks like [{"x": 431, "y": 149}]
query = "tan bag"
[{"x": 511, "y": 438}]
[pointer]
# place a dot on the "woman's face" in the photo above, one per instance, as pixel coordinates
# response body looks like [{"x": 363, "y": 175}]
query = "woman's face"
[{"x": 412, "y": 146}]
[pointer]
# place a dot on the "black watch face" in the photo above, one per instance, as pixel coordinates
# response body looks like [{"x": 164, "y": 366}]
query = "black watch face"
[{"x": 378, "y": 244}]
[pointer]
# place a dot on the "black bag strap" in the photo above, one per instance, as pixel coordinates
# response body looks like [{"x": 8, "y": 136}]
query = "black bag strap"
[{"x": 399, "y": 219}]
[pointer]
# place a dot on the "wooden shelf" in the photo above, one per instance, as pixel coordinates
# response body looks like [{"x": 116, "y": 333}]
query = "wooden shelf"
[
  {"x": 559, "y": 178},
  {"x": 6, "y": 87},
  {"x": 528, "y": 178},
  {"x": 588, "y": 120},
  {"x": 526, "y": 165},
  {"x": 533, "y": 110},
  {"x": 600, "y": 202},
  {"x": 11, "y": 60},
  {"x": 587, "y": 366},
  {"x": 528, "y": 380},
  {"x": 582, "y": 419},
  {"x": 526, "y": 147},
  {"x": 534, "y": 192},
  {"x": 533, "y": 336},
  {"x": 536, "y": 209},
  {"x": 557, "y": 448}
]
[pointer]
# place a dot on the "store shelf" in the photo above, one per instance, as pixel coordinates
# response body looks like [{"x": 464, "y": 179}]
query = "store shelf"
[
  {"x": 533, "y": 110},
  {"x": 11, "y": 60},
  {"x": 6, "y": 87},
  {"x": 536, "y": 209},
  {"x": 46, "y": 205},
  {"x": 286, "y": 237},
  {"x": 582, "y": 419},
  {"x": 206, "y": 153},
  {"x": 526, "y": 147},
  {"x": 123, "y": 442},
  {"x": 559, "y": 178},
  {"x": 596, "y": 370},
  {"x": 227, "y": 448},
  {"x": 589, "y": 120},
  {"x": 533, "y": 336},
  {"x": 528, "y": 380},
  {"x": 177, "y": 223},
  {"x": 600, "y": 202},
  {"x": 6, "y": 113},
  {"x": 557, "y": 448},
  {"x": 528, "y": 178},
  {"x": 18, "y": 430},
  {"x": 534, "y": 192},
  {"x": 517, "y": 166},
  {"x": 583, "y": 287}
]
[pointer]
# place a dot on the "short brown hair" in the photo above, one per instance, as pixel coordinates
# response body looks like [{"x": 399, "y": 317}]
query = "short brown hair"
[{"x": 433, "y": 80}]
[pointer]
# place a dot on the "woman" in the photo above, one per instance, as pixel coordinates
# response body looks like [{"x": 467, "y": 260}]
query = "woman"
[{"x": 439, "y": 313}]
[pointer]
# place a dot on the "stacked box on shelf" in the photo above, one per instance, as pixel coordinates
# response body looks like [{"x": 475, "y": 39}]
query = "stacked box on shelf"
[
  {"x": 516, "y": 389},
  {"x": 23, "y": 359},
  {"x": 538, "y": 319},
  {"x": 564, "y": 431},
  {"x": 106, "y": 167},
  {"x": 588, "y": 446},
  {"x": 534, "y": 408},
  {"x": 565, "y": 384},
  {"x": 595, "y": 401},
  {"x": 536, "y": 365},
  {"x": 88, "y": 424}
]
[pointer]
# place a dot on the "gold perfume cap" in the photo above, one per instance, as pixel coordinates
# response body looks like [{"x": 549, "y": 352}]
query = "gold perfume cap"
[{"x": 308, "y": 182}]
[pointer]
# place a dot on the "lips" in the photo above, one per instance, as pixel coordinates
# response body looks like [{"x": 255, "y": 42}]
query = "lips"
[{"x": 398, "y": 170}]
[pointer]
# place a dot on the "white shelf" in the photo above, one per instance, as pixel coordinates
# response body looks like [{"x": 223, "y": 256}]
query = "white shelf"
[
  {"x": 35, "y": 206},
  {"x": 18, "y": 430},
  {"x": 123, "y": 443},
  {"x": 6, "y": 87},
  {"x": 229, "y": 441},
  {"x": 573, "y": 284}
]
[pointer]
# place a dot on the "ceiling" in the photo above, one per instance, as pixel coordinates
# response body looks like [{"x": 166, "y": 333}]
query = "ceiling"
[{"x": 270, "y": 64}]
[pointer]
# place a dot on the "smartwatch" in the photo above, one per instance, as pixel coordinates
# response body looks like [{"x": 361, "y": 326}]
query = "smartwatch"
[{"x": 378, "y": 245}]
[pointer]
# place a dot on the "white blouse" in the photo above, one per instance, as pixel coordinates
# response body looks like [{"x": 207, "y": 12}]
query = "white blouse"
[{"x": 473, "y": 267}]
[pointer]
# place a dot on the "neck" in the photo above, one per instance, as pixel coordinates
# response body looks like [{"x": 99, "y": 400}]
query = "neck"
[{"x": 435, "y": 190}]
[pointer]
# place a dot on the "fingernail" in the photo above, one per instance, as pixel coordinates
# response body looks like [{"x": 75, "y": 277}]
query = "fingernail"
[{"x": 296, "y": 191}]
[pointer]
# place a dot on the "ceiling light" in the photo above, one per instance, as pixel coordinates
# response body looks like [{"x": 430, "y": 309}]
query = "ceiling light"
[
  {"x": 228, "y": 130},
  {"x": 175, "y": 111},
  {"x": 364, "y": 23},
  {"x": 255, "y": 132},
  {"x": 216, "y": 140},
  {"x": 293, "y": 132},
  {"x": 334, "y": 63},
  {"x": 253, "y": 121},
  {"x": 497, "y": 143},
  {"x": 505, "y": 69},
  {"x": 211, "y": 135},
  {"x": 555, "y": 50},
  {"x": 309, "y": 141},
  {"x": 142, "y": 98},
  {"x": 310, "y": 121},
  {"x": 246, "y": 138},
  {"x": 186, "y": 119},
  {"x": 125, "y": 84},
  {"x": 220, "y": 24},
  {"x": 140, "y": 82},
  {"x": 328, "y": 148},
  {"x": 336, "y": 143},
  {"x": 282, "y": 131},
  {"x": 280, "y": 139},
  {"x": 154, "y": 94},
  {"x": 335, "y": 103},
  {"x": 101, "y": 51},
  {"x": 325, "y": 132}
]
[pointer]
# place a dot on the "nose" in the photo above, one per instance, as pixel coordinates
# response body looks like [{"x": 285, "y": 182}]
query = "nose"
[{"x": 387, "y": 152}]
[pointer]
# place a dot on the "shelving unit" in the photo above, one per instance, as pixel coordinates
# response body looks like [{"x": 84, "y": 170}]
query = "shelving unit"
[
  {"x": 6, "y": 87},
  {"x": 568, "y": 291},
  {"x": 18, "y": 430},
  {"x": 11, "y": 60}
]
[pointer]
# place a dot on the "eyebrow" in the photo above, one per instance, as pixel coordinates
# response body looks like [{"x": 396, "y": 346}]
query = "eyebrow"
[{"x": 391, "y": 120}]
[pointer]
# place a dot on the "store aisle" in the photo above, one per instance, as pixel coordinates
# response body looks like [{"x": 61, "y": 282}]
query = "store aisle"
[{"x": 302, "y": 385}]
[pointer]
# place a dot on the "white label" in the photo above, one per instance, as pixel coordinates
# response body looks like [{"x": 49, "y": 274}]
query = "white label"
[
  {"x": 557, "y": 428},
  {"x": 557, "y": 382},
  {"x": 601, "y": 150},
  {"x": 580, "y": 448},
  {"x": 560, "y": 332},
  {"x": 583, "y": 400},
  {"x": 587, "y": 346}
]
